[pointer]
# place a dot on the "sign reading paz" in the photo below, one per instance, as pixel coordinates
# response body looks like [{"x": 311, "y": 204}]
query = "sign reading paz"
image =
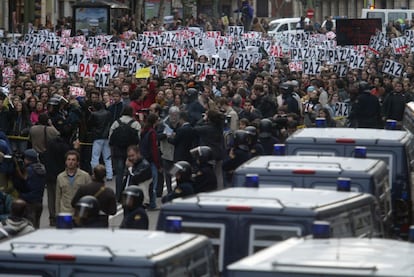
[{"x": 393, "y": 68}]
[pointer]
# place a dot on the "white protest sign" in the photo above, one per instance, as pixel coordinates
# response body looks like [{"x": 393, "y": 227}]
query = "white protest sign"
[
  {"x": 235, "y": 31},
  {"x": 393, "y": 68},
  {"x": 60, "y": 73},
  {"x": 43, "y": 78},
  {"x": 340, "y": 69},
  {"x": 312, "y": 67},
  {"x": 88, "y": 70},
  {"x": 172, "y": 71},
  {"x": 341, "y": 109},
  {"x": 77, "y": 91},
  {"x": 101, "y": 80}
]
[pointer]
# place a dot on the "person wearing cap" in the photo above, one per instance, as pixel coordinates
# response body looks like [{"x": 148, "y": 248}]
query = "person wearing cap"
[
  {"x": 30, "y": 183},
  {"x": 366, "y": 110}
]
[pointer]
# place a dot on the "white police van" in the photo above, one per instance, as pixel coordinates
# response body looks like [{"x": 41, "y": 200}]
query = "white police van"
[
  {"x": 394, "y": 147},
  {"x": 365, "y": 175},
  {"x": 105, "y": 252},
  {"x": 347, "y": 257},
  {"x": 388, "y": 15},
  {"x": 241, "y": 221}
]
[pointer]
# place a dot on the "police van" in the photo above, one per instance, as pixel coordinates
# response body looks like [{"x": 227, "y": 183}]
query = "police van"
[
  {"x": 394, "y": 147},
  {"x": 346, "y": 257},
  {"x": 408, "y": 118},
  {"x": 365, "y": 175},
  {"x": 105, "y": 252},
  {"x": 241, "y": 221},
  {"x": 388, "y": 15}
]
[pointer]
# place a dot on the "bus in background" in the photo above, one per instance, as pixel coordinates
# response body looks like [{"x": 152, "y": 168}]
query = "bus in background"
[{"x": 388, "y": 15}]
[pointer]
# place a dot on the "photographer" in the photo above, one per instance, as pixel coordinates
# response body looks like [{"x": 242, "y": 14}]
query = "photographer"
[{"x": 30, "y": 182}]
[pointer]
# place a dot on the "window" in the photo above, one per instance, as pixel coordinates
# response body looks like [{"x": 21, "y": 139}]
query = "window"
[
  {"x": 384, "y": 199},
  {"x": 376, "y": 15},
  {"x": 263, "y": 236},
  {"x": 388, "y": 159},
  {"x": 341, "y": 225},
  {"x": 362, "y": 221},
  {"x": 315, "y": 153},
  {"x": 214, "y": 231},
  {"x": 393, "y": 16}
]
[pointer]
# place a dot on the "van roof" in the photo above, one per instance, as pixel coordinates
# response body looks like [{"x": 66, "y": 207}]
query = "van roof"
[
  {"x": 288, "y": 201},
  {"x": 333, "y": 164},
  {"x": 332, "y": 257},
  {"x": 349, "y": 136},
  {"x": 97, "y": 244}
]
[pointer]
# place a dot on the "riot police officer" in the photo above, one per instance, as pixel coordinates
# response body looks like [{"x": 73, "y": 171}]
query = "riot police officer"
[
  {"x": 135, "y": 216},
  {"x": 205, "y": 178}
]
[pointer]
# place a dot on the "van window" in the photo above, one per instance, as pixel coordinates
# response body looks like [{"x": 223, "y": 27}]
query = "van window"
[
  {"x": 283, "y": 28},
  {"x": 340, "y": 225},
  {"x": 98, "y": 274},
  {"x": 262, "y": 236},
  {"x": 273, "y": 26},
  {"x": 384, "y": 199},
  {"x": 389, "y": 161},
  {"x": 377, "y": 15},
  {"x": 393, "y": 16},
  {"x": 363, "y": 221},
  {"x": 214, "y": 231}
]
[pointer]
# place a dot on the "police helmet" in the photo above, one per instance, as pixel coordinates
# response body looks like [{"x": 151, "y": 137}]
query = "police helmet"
[
  {"x": 54, "y": 101},
  {"x": 132, "y": 197},
  {"x": 252, "y": 132},
  {"x": 87, "y": 207},
  {"x": 202, "y": 154},
  {"x": 242, "y": 140},
  {"x": 363, "y": 87},
  {"x": 182, "y": 168},
  {"x": 286, "y": 87},
  {"x": 265, "y": 127}
]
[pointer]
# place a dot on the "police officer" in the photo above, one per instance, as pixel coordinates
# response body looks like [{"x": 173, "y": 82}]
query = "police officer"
[
  {"x": 266, "y": 138},
  {"x": 366, "y": 110},
  {"x": 87, "y": 213},
  {"x": 185, "y": 186},
  {"x": 256, "y": 149},
  {"x": 135, "y": 216},
  {"x": 205, "y": 178},
  {"x": 238, "y": 154}
]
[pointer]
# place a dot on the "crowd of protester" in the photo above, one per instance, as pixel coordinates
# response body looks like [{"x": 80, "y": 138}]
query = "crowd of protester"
[{"x": 236, "y": 114}]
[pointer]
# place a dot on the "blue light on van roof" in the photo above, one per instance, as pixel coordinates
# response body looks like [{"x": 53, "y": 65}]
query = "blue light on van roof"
[
  {"x": 64, "y": 221},
  {"x": 343, "y": 184},
  {"x": 411, "y": 234},
  {"x": 279, "y": 149},
  {"x": 391, "y": 124},
  {"x": 320, "y": 122},
  {"x": 360, "y": 152},
  {"x": 321, "y": 229},
  {"x": 173, "y": 224},
  {"x": 251, "y": 181}
]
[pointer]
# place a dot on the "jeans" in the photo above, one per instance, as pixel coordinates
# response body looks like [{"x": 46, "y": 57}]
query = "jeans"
[
  {"x": 101, "y": 146},
  {"x": 119, "y": 167},
  {"x": 153, "y": 193}
]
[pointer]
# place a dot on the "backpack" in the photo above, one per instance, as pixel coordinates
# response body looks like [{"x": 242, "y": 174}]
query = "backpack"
[{"x": 124, "y": 135}]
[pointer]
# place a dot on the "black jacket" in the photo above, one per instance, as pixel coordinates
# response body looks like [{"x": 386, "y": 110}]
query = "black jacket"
[
  {"x": 366, "y": 111},
  {"x": 211, "y": 135},
  {"x": 99, "y": 122},
  {"x": 135, "y": 219},
  {"x": 141, "y": 171},
  {"x": 205, "y": 179},
  {"x": 183, "y": 141},
  {"x": 106, "y": 197}
]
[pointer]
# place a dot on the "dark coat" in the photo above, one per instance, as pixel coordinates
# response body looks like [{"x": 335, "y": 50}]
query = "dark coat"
[
  {"x": 31, "y": 190},
  {"x": 184, "y": 140},
  {"x": 211, "y": 135},
  {"x": 135, "y": 219},
  {"x": 205, "y": 179},
  {"x": 106, "y": 198},
  {"x": 99, "y": 122},
  {"x": 141, "y": 171},
  {"x": 366, "y": 111}
]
